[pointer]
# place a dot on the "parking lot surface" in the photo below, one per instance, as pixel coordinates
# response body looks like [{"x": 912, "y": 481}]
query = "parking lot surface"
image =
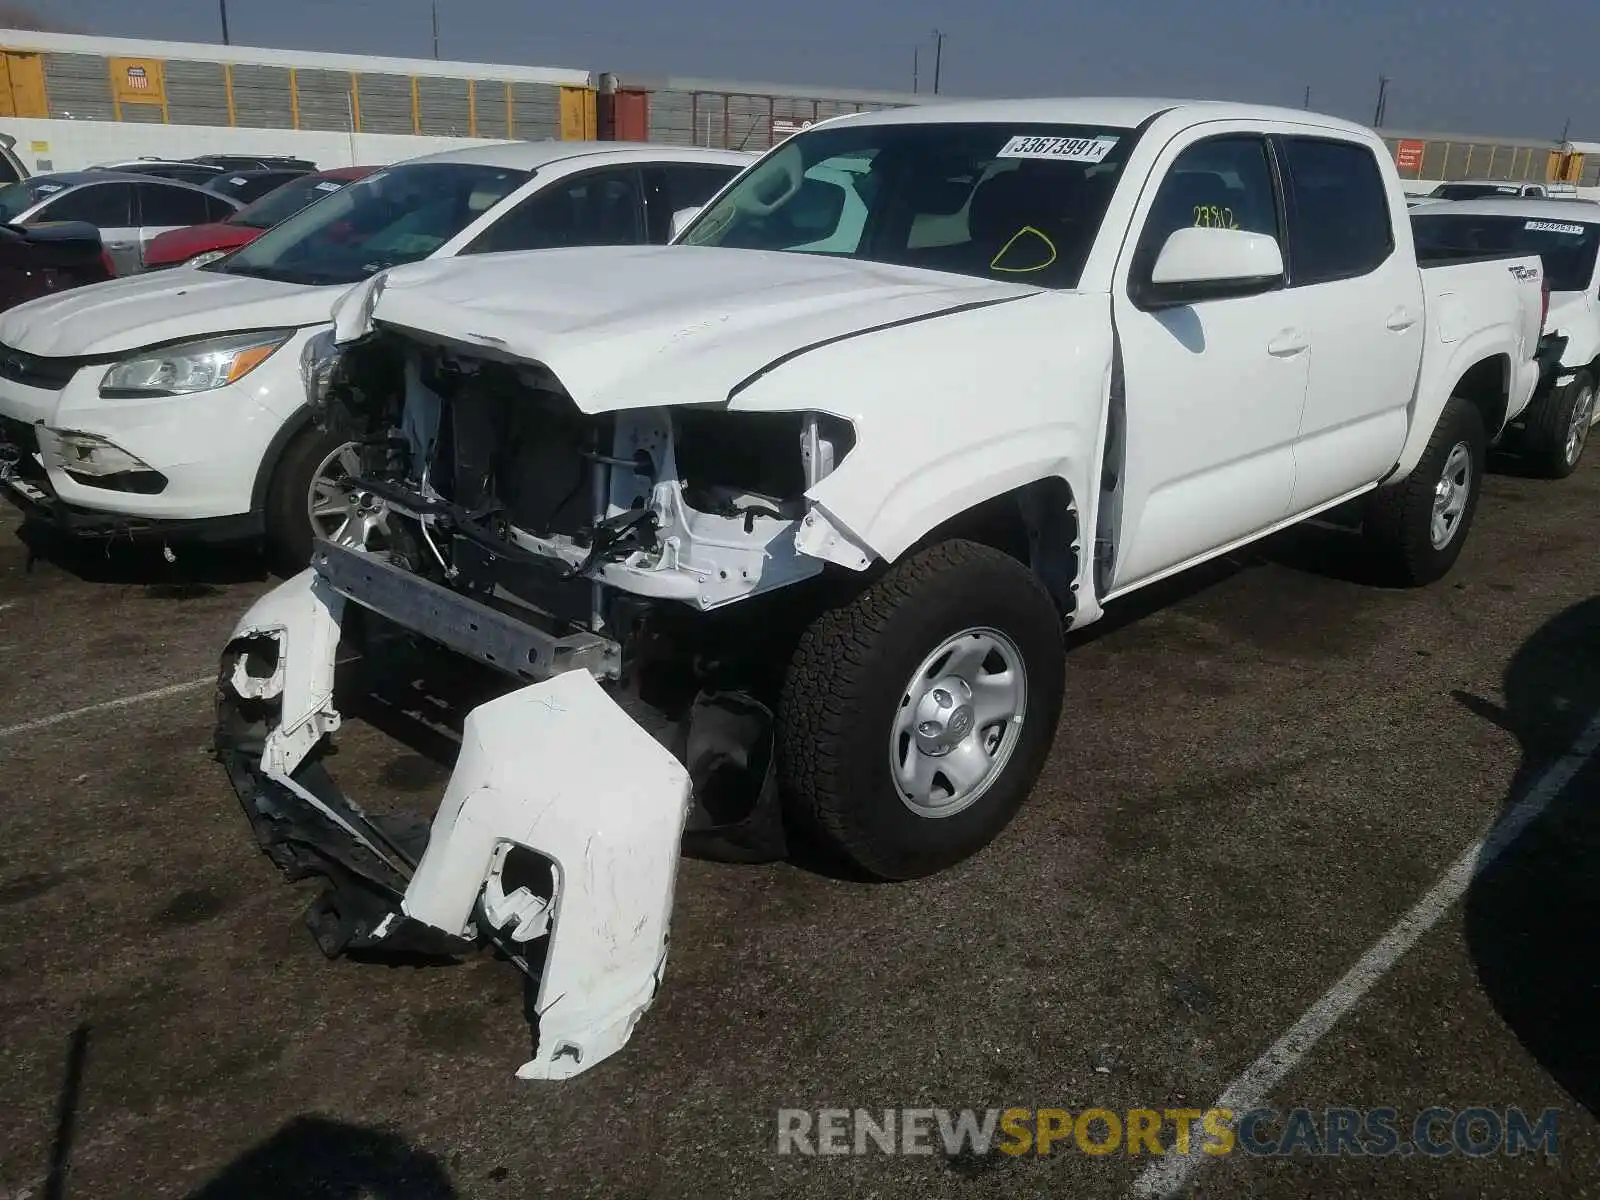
[{"x": 1258, "y": 773}]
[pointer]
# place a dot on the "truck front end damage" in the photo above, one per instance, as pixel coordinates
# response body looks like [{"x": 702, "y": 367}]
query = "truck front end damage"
[{"x": 592, "y": 562}]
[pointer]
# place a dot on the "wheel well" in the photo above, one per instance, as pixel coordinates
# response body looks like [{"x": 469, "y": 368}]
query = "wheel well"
[
  {"x": 1487, "y": 385},
  {"x": 1036, "y": 524},
  {"x": 268, "y": 467}
]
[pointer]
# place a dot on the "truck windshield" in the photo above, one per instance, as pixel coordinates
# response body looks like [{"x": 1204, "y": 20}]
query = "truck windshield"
[
  {"x": 1020, "y": 202},
  {"x": 1567, "y": 248},
  {"x": 389, "y": 218}
]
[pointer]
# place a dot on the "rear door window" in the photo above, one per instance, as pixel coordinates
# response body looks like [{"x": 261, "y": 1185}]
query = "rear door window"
[
  {"x": 161, "y": 206},
  {"x": 1338, "y": 210}
]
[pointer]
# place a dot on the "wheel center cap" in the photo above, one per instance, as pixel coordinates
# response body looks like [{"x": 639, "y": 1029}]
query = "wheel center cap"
[{"x": 945, "y": 716}]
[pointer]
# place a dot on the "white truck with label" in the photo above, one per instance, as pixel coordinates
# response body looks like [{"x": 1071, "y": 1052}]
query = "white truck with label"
[
  {"x": 1552, "y": 432},
  {"x": 777, "y": 529}
]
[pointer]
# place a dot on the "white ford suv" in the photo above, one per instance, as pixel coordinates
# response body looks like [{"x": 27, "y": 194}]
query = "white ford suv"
[{"x": 172, "y": 404}]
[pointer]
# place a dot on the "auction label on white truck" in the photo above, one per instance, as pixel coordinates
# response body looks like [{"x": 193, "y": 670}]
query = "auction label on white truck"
[
  {"x": 1059, "y": 149},
  {"x": 1554, "y": 227}
]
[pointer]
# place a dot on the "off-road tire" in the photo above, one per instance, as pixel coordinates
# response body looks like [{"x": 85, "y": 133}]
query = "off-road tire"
[
  {"x": 1398, "y": 516},
  {"x": 1544, "y": 434},
  {"x": 289, "y": 535},
  {"x": 844, "y": 687}
]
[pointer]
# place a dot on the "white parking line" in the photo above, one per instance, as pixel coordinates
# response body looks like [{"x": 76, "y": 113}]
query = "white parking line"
[
  {"x": 176, "y": 689},
  {"x": 1172, "y": 1174}
]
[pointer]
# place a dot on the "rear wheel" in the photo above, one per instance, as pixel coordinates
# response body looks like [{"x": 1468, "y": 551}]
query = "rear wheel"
[
  {"x": 1558, "y": 428},
  {"x": 1418, "y": 526},
  {"x": 915, "y": 719}
]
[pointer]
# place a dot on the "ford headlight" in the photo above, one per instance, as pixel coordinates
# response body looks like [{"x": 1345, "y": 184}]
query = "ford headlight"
[{"x": 193, "y": 366}]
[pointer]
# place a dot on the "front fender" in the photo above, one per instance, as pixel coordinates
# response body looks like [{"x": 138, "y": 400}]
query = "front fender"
[{"x": 951, "y": 412}]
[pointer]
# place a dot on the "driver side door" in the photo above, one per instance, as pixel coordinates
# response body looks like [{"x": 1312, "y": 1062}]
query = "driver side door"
[{"x": 1212, "y": 390}]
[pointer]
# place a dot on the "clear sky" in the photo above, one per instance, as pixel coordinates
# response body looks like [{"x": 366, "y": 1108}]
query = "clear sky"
[{"x": 1515, "y": 67}]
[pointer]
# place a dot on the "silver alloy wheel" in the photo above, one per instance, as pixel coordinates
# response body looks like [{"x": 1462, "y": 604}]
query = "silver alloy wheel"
[
  {"x": 339, "y": 513},
  {"x": 959, "y": 721},
  {"x": 1582, "y": 419},
  {"x": 1450, "y": 495}
]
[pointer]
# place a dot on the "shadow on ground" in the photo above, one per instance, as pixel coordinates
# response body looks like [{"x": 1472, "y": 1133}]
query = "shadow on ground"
[
  {"x": 1533, "y": 913},
  {"x": 314, "y": 1158},
  {"x": 191, "y": 569}
]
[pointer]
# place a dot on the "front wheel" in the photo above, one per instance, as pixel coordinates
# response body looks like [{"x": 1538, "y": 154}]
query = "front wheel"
[
  {"x": 307, "y": 498},
  {"x": 1558, "y": 429},
  {"x": 915, "y": 720},
  {"x": 1418, "y": 526}
]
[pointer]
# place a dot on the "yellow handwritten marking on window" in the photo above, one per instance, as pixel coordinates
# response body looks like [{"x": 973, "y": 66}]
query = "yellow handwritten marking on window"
[
  {"x": 1211, "y": 216},
  {"x": 1047, "y": 246}
]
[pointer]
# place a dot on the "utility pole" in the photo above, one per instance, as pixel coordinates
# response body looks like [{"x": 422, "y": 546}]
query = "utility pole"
[
  {"x": 1383, "y": 102},
  {"x": 435, "y": 30},
  {"x": 224, "y": 6},
  {"x": 938, "y": 58},
  {"x": 1308, "y": 96},
  {"x": 1566, "y": 127},
  {"x": 916, "y": 67}
]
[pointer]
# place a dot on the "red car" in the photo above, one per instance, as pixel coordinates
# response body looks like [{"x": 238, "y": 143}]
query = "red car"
[{"x": 212, "y": 241}]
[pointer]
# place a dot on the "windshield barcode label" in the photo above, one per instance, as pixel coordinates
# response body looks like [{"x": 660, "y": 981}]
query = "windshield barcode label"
[
  {"x": 1554, "y": 227},
  {"x": 1084, "y": 150}
]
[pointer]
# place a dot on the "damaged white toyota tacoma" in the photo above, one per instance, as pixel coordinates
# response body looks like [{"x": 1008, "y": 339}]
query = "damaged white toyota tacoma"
[{"x": 774, "y": 532}]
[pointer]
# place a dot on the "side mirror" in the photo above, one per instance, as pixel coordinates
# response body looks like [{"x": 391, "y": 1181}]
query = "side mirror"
[
  {"x": 1211, "y": 264},
  {"x": 681, "y": 219}
]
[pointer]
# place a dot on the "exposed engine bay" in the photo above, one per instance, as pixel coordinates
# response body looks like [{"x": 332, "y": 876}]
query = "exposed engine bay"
[
  {"x": 594, "y": 562},
  {"x": 504, "y": 489}
]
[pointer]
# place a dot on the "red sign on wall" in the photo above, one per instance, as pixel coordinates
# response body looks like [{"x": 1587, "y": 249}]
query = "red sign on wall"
[{"x": 1408, "y": 156}]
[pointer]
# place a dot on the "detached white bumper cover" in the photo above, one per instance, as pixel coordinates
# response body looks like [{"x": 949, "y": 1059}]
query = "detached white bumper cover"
[
  {"x": 559, "y": 769},
  {"x": 555, "y": 771}
]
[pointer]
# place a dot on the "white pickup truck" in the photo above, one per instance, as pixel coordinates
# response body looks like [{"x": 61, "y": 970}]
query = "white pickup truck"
[
  {"x": 1553, "y": 430},
  {"x": 786, "y": 519}
]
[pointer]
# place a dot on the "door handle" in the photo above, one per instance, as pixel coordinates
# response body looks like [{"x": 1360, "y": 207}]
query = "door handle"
[
  {"x": 1401, "y": 319},
  {"x": 1287, "y": 344}
]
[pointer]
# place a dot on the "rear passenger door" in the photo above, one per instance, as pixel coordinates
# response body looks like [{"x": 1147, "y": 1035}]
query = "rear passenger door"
[
  {"x": 1364, "y": 306},
  {"x": 109, "y": 207},
  {"x": 673, "y": 187}
]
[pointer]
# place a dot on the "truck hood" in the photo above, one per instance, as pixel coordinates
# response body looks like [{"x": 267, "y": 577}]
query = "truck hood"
[
  {"x": 160, "y": 307},
  {"x": 647, "y": 326}
]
